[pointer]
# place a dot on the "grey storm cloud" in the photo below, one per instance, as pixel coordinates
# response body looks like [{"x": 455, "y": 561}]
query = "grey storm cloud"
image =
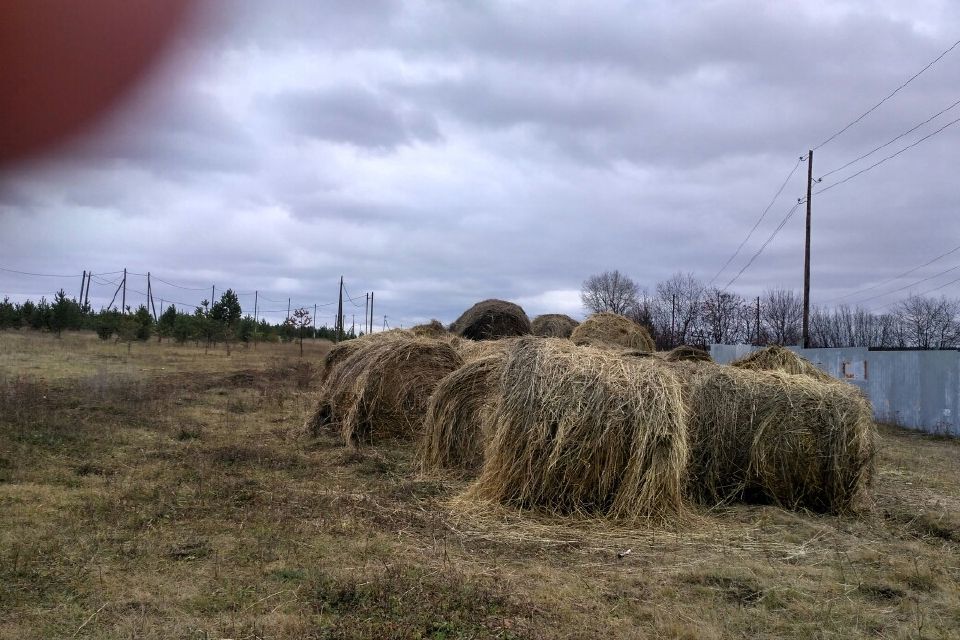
[
  {"x": 352, "y": 115},
  {"x": 439, "y": 153}
]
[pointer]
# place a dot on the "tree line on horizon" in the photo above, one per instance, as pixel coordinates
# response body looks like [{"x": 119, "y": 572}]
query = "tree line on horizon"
[
  {"x": 684, "y": 310},
  {"x": 220, "y": 322}
]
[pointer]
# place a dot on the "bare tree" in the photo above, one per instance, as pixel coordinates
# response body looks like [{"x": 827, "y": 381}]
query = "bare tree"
[
  {"x": 928, "y": 323},
  {"x": 722, "y": 316},
  {"x": 677, "y": 309},
  {"x": 609, "y": 291},
  {"x": 782, "y": 314}
]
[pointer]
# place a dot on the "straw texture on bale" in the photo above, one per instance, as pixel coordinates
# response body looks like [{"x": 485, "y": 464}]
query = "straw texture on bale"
[
  {"x": 585, "y": 431},
  {"x": 553, "y": 325},
  {"x": 774, "y": 437},
  {"x": 490, "y": 320},
  {"x": 456, "y": 429},
  {"x": 432, "y": 329},
  {"x": 382, "y": 388},
  {"x": 471, "y": 350},
  {"x": 685, "y": 352},
  {"x": 610, "y": 330},
  {"x": 777, "y": 358}
]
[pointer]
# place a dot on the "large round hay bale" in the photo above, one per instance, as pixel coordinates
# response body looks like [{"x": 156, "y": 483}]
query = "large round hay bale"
[
  {"x": 342, "y": 350},
  {"x": 490, "y": 320},
  {"x": 774, "y": 437},
  {"x": 456, "y": 429},
  {"x": 777, "y": 358},
  {"x": 687, "y": 353},
  {"x": 610, "y": 330},
  {"x": 382, "y": 389},
  {"x": 553, "y": 325},
  {"x": 432, "y": 329},
  {"x": 585, "y": 431}
]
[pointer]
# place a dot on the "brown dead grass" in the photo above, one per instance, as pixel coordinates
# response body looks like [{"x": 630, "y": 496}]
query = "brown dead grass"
[{"x": 168, "y": 494}]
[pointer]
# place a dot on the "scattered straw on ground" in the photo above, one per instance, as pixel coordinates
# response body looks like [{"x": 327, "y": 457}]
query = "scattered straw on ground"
[
  {"x": 610, "y": 330},
  {"x": 581, "y": 430}
]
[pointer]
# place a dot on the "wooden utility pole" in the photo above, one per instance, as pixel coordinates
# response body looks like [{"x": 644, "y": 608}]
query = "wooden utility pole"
[
  {"x": 150, "y": 299},
  {"x": 288, "y": 308},
  {"x": 673, "y": 315},
  {"x": 213, "y": 294},
  {"x": 339, "y": 323},
  {"x": 314, "y": 320},
  {"x": 806, "y": 256},
  {"x": 371, "y": 312},
  {"x": 86, "y": 296},
  {"x": 123, "y": 300},
  {"x": 366, "y": 315},
  {"x": 83, "y": 282}
]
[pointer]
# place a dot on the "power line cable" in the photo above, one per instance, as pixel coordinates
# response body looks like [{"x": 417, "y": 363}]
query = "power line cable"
[
  {"x": 894, "y": 278},
  {"x": 889, "y": 142},
  {"x": 757, "y": 223},
  {"x": 912, "y": 284},
  {"x": 773, "y": 235},
  {"x": 890, "y": 157},
  {"x": 176, "y": 286},
  {"x": 41, "y": 275},
  {"x": 890, "y": 95}
]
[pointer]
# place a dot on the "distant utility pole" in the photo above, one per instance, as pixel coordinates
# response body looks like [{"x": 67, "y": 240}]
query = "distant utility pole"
[
  {"x": 86, "y": 296},
  {"x": 806, "y": 256},
  {"x": 338, "y": 329},
  {"x": 213, "y": 294},
  {"x": 314, "y": 320},
  {"x": 256, "y": 295},
  {"x": 673, "y": 315},
  {"x": 123, "y": 300},
  {"x": 83, "y": 282},
  {"x": 288, "y": 308},
  {"x": 366, "y": 315},
  {"x": 384, "y": 323},
  {"x": 371, "y": 312},
  {"x": 150, "y": 299}
]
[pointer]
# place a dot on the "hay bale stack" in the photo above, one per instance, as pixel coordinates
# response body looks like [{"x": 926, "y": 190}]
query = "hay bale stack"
[
  {"x": 456, "y": 429},
  {"x": 585, "y": 431},
  {"x": 777, "y": 358},
  {"x": 687, "y": 353},
  {"x": 490, "y": 320},
  {"x": 381, "y": 390},
  {"x": 610, "y": 330},
  {"x": 774, "y": 437},
  {"x": 553, "y": 325},
  {"x": 432, "y": 329}
]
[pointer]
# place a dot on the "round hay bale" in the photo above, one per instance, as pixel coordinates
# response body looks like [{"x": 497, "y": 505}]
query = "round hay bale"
[
  {"x": 490, "y": 320},
  {"x": 585, "y": 431},
  {"x": 610, "y": 330},
  {"x": 432, "y": 329},
  {"x": 456, "y": 429},
  {"x": 381, "y": 390},
  {"x": 769, "y": 436},
  {"x": 685, "y": 352},
  {"x": 553, "y": 325},
  {"x": 342, "y": 350},
  {"x": 777, "y": 358}
]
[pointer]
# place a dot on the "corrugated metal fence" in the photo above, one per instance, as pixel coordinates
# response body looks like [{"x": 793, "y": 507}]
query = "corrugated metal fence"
[{"x": 914, "y": 389}]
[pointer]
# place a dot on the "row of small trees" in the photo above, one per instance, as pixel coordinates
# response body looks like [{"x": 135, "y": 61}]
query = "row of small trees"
[
  {"x": 684, "y": 310},
  {"x": 221, "y": 322}
]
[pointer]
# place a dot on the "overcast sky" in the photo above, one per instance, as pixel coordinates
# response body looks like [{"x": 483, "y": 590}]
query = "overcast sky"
[{"x": 442, "y": 153}]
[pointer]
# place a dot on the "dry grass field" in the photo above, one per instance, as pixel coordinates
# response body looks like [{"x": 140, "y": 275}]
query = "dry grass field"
[{"x": 168, "y": 493}]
